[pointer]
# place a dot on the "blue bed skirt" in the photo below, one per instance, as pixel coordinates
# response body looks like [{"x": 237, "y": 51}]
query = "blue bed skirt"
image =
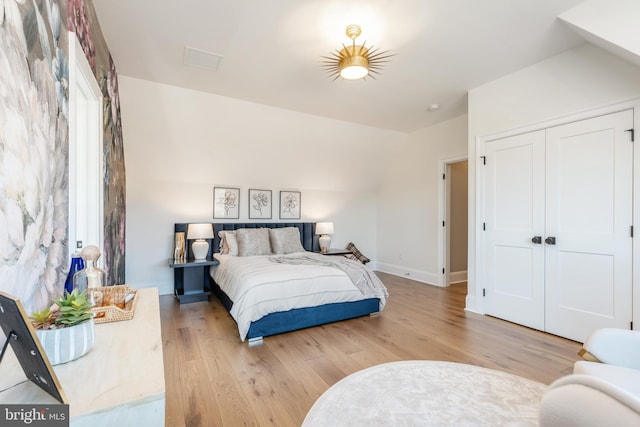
[{"x": 300, "y": 318}]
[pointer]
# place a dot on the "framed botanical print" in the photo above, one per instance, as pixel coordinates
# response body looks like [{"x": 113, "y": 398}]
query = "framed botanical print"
[
  {"x": 290, "y": 204},
  {"x": 260, "y": 204},
  {"x": 226, "y": 202}
]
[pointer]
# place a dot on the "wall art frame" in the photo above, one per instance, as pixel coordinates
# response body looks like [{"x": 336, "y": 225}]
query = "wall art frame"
[
  {"x": 226, "y": 202},
  {"x": 290, "y": 203},
  {"x": 260, "y": 204}
]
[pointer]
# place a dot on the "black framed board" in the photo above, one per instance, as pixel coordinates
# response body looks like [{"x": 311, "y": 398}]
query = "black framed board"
[{"x": 20, "y": 334}]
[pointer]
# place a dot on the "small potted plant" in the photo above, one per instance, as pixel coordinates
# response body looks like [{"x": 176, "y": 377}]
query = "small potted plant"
[{"x": 66, "y": 329}]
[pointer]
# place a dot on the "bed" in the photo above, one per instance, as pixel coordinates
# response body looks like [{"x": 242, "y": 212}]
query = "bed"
[{"x": 293, "y": 312}]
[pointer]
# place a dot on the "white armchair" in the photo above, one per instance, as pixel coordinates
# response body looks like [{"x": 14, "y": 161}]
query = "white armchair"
[
  {"x": 598, "y": 393},
  {"x": 620, "y": 347}
]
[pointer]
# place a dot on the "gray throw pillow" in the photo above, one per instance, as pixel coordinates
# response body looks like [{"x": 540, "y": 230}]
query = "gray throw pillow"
[
  {"x": 285, "y": 240},
  {"x": 253, "y": 241}
]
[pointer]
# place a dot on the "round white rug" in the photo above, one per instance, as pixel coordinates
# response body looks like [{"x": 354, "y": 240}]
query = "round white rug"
[{"x": 428, "y": 393}]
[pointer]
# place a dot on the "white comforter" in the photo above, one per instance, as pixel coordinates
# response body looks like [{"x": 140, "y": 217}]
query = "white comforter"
[{"x": 259, "y": 285}]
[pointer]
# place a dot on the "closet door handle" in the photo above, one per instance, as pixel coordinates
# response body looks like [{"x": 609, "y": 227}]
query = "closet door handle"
[
  {"x": 550, "y": 240},
  {"x": 536, "y": 239}
]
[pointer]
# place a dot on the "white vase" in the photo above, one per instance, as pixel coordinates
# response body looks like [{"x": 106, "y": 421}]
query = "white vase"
[
  {"x": 66, "y": 344},
  {"x": 325, "y": 242},
  {"x": 200, "y": 248}
]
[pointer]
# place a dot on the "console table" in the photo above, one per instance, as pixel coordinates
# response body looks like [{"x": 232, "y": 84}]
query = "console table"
[{"x": 120, "y": 381}]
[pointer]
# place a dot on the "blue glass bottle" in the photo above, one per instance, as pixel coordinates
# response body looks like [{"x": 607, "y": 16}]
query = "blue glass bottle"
[{"x": 77, "y": 264}]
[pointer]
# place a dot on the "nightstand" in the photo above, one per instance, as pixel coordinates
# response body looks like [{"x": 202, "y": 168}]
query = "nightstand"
[
  {"x": 191, "y": 279},
  {"x": 335, "y": 251}
]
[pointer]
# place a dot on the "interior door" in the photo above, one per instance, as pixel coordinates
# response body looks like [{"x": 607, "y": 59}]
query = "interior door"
[
  {"x": 515, "y": 206},
  {"x": 589, "y": 213}
]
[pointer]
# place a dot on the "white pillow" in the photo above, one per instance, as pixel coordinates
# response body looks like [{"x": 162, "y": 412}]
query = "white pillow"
[
  {"x": 253, "y": 241},
  {"x": 285, "y": 240},
  {"x": 228, "y": 242}
]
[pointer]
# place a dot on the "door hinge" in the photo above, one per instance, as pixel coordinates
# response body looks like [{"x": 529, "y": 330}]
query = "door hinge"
[
  {"x": 443, "y": 223},
  {"x": 484, "y": 159},
  {"x": 484, "y": 226},
  {"x": 631, "y": 325},
  {"x": 633, "y": 134},
  {"x": 484, "y": 292},
  {"x": 632, "y": 231},
  {"x": 444, "y": 176}
]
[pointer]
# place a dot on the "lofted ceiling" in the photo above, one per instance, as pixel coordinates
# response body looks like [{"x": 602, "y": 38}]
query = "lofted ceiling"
[{"x": 272, "y": 50}]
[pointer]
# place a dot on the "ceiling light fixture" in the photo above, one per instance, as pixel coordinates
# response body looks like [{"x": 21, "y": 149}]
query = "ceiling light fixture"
[{"x": 356, "y": 61}]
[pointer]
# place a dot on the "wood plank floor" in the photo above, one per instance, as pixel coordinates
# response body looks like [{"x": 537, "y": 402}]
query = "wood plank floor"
[{"x": 213, "y": 379}]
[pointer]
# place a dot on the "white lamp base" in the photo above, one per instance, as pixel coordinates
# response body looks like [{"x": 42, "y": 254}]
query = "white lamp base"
[
  {"x": 325, "y": 243},
  {"x": 200, "y": 248}
]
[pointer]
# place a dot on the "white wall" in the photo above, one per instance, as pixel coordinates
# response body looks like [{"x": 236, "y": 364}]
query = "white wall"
[
  {"x": 576, "y": 81},
  {"x": 611, "y": 25},
  {"x": 408, "y": 221},
  {"x": 180, "y": 143}
]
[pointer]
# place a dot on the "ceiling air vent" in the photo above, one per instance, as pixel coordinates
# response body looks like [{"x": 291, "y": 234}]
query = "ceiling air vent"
[{"x": 201, "y": 59}]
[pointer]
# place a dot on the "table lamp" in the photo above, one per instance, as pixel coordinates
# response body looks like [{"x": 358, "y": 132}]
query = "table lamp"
[
  {"x": 324, "y": 229},
  {"x": 199, "y": 232}
]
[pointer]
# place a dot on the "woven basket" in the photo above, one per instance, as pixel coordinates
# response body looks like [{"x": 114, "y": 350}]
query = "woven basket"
[{"x": 111, "y": 313}]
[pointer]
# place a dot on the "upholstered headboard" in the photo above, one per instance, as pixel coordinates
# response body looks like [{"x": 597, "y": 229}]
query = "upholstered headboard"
[{"x": 307, "y": 233}]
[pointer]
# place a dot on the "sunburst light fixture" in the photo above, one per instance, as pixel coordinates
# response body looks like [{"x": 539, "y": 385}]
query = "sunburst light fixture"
[{"x": 355, "y": 61}]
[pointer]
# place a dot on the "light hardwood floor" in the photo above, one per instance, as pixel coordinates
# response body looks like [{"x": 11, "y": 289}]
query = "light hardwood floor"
[{"x": 213, "y": 379}]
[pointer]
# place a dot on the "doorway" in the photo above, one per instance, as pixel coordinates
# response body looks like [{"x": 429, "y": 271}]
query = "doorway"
[
  {"x": 86, "y": 188},
  {"x": 453, "y": 236}
]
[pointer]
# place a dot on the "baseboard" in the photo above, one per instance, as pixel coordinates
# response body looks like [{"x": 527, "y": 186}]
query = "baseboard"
[
  {"x": 410, "y": 273},
  {"x": 165, "y": 288},
  {"x": 457, "y": 276},
  {"x": 471, "y": 304}
]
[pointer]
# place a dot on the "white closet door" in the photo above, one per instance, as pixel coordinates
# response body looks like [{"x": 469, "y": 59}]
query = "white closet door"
[
  {"x": 514, "y": 215},
  {"x": 589, "y": 212}
]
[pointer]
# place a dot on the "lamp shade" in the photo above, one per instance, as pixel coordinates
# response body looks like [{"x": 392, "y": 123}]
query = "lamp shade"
[
  {"x": 354, "y": 64},
  {"x": 354, "y": 72},
  {"x": 200, "y": 231},
  {"x": 324, "y": 228}
]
